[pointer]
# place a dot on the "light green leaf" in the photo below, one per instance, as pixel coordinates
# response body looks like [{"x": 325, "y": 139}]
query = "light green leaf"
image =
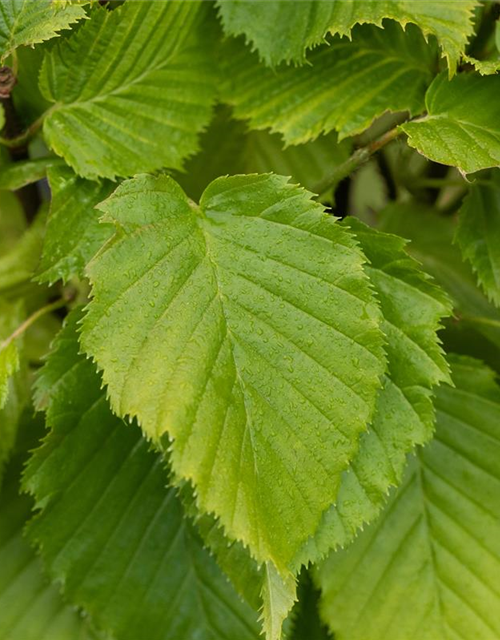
[
  {"x": 138, "y": 103},
  {"x": 484, "y": 67},
  {"x": 27, "y": 22},
  {"x": 345, "y": 87},
  {"x": 13, "y": 391},
  {"x": 239, "y": 151},
  {"x": 12, "y": 221},
  {"x": 278, "y": 597},
  {"x": 11, "y": 316},
  {"x": 109, "y": 529},
  {"x": 73, "y": 233},
  {"x": 462, "y": 127},
  {"x": 478, "y": 234},
  {"x": 25, "y": 172},
  {"x": 244, "y": 336},
  {"x": 30, "y": 607},
  {"x": 412, "y": 308},
  {"x": 429, "y": 567},
  {"x": 285, "y": 29}
]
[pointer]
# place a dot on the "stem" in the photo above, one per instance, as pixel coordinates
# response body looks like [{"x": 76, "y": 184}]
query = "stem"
[
  {"x": 52, "y": 306},
  {"x": 358, "y": 158},
  {"x": 23, "y": 138}
]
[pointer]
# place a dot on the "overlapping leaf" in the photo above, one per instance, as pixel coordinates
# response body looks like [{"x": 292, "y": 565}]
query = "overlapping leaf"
[
  {"x": 430, "y": 567},
  {"x": 30, "y": 607},
  {"x": 478, "y": 234},
  {"x": 138, "y": 103},
  {"x": 345, "y": 87},
  {"x": 462, "y": 127},
  {"x": 246, "y": 331},
  {"x": 241, "y": 151},
  {"x": 412, "y": 308},
  {"x": 27, "y": 22},
  {"x": 443, "y": 260},
  {"x": 73, "y": 234},
  {"x": 109, "y": 529},
  {"x": 285, "y": 29}
]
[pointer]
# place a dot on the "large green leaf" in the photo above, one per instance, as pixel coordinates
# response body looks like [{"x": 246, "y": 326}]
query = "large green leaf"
[
  {"x": 109, "y": 529},
  {"x": 430, "y": 567},
  {"x": 138, "y": 103},
  {"x": 462, "y": 127},
  {"x": 412, "y": 308},
  {"x": 478, "y": 234},
  {"x": 244, "y": 336},
  {"x": 27, "y": 22},
  {"x": 73, "y": 234},
  {"x": 345, "y": 86},
  {"x": 285, "y": 29}
]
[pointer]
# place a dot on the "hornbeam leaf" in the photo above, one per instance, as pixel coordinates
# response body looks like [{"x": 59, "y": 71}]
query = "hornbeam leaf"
[
  {"x": 241, "y": 151},
  {"x": 109, "y": 529},
  {"x": 243, "y": 335},
  {"x": 73, "y": 234},
  {"x": 27, "y": 22},
  {"x": 345, "y": 87},
  {"x": 413, "y": 308},
  {"x": 462, "y": 127},
  {"x": 478, "y": 234},
  {"x": 430, "y": 566},
  {"x": 138, "y": 103},
  {"x": 282, "y": 30},
  {"x": 443, "y": 260},
  {"x": 30, "y": 607}
]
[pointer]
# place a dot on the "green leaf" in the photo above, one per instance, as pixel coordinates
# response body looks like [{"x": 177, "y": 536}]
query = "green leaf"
[
  {"x": 18, "y": 265},
  {"x": 109, "y": 529},
  {"x": 430, "y": 566},
  {"x": 412, "y": 308},
  {"x": 462, "y": 127},
  {"x": 11, "y": 316},
  {"x": 344, "y": 88},
  {"x": 25, "y": 172},
  {"x": 484, "y": 67},
  {"x": 284, "y": 29},
  {"x": 137, "y": 104},
  {"x": 245, "y": 330},
  {"x": 241, "y": 151},
  {"x": 27, "y": 22},
  {"x": 444, "y": 262},
  {"x": 478, "y": 234},
  {"x": 73, "y": 233},
  {"x": 30, "y": 607}
]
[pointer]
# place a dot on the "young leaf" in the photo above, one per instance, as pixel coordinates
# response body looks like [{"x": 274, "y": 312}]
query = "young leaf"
[
  {"x": 27, "y": 22},
  {"x": 345, "y": 86},
  {"x": 109, "y": 529},
  {"x": 138, "y": 103},
  {"x": 30, "y": 607},
  {"x": 245, "y": 330},
  {"x": 412, "y": 308},
  {"x": 462, "y": 127},
  {"x": 73, "y": 234},
  {"x": 284, "y": 29},
  {"x": 478, "y": 234},
  {"x": 430, "y": 567}
]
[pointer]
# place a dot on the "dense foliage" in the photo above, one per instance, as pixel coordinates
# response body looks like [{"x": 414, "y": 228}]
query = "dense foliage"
[{"x": 249, "y": 320}]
